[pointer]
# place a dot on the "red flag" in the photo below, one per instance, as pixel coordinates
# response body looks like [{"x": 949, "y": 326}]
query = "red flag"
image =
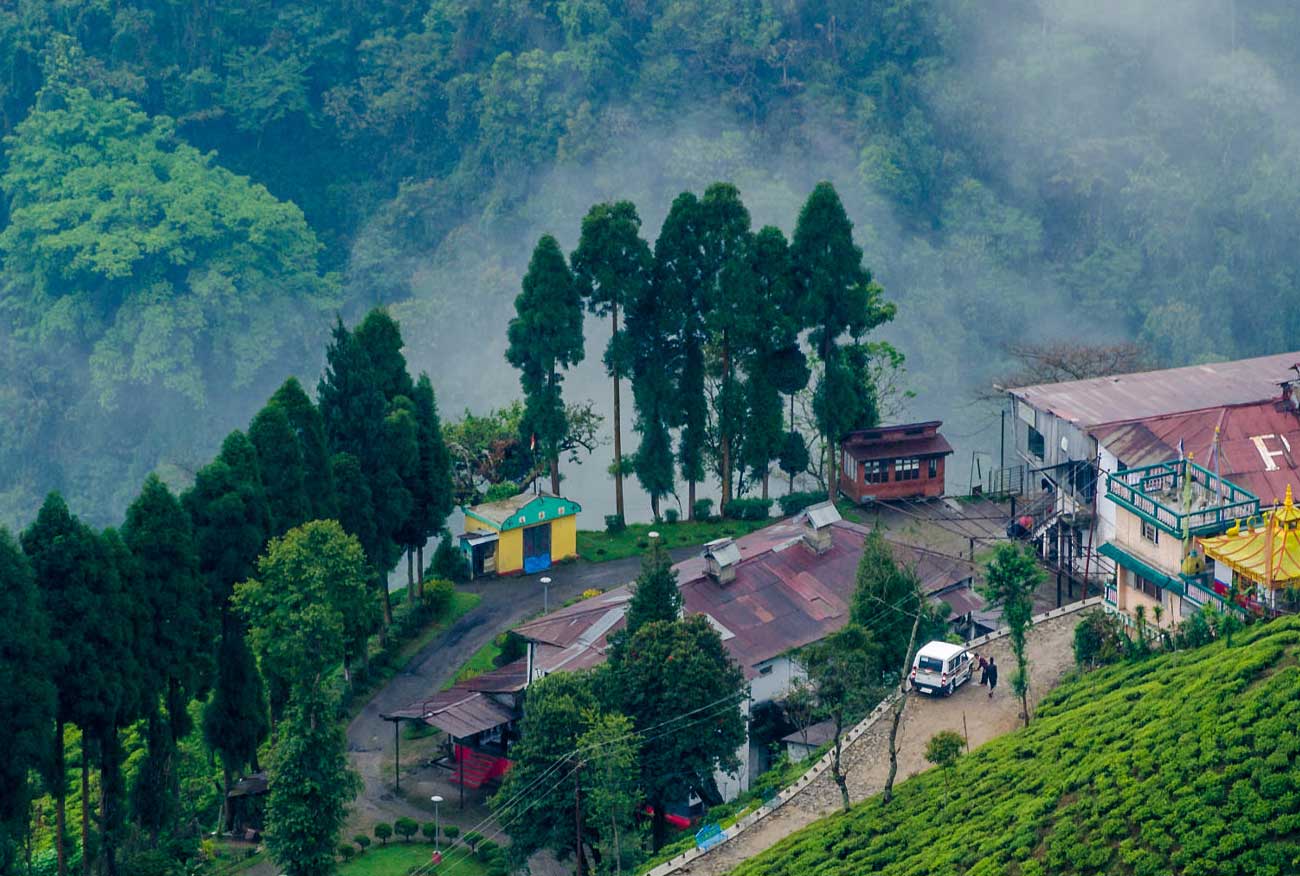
[{"x": 532, "y": 442}]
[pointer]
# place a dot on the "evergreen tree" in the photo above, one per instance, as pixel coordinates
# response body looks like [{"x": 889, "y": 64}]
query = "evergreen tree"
[
  {"x": 27, "y": 695},
  {"x": 432, "y": 498},
  {"x": 1010, "y": 579},
  {"x": 546, "y": 336},
  {"x": 318, "y": 479},
  {"x": 231, "y": 523},
  {"x": 774, "y": 363},
  {"x": 840, "y": 298},
  {"x": 380, "y": 338},
  {"x": 280, "y": 462},
  {"x": 652, "y": 350},
  {"x": 845, "y": 672},
  {"x": 611, "y": 265},
  {"x": 559, "y": 709},
  {"x": 180, "y": 636},
  {"x": 884, "y": 602},
  {"x": 81, "y": 597},
  {"x": 655, "y": 597},
  {"x": 669, "y": 668},
  {"x": 679, "y": 279},
  {"x": 235, "y": 719},
  {"x": 729, "y": 318}
]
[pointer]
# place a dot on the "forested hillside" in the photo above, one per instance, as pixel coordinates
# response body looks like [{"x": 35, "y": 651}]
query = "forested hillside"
[
  {"x": 1182, "y": 764},
  {"x": 192, "y": 191}
]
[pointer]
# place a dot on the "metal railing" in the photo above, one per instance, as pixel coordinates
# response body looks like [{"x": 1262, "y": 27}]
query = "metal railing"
[{"x": 1137, "y": 489}]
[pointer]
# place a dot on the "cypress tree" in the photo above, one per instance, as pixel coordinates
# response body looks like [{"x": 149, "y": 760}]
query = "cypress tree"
[
  {"x": 610, "y": 265},
  {"x": 840, "y": 297},
  {"x": 280, "y": 462},
  {"x": 656, "y": 597},
  {"x": 728, "y": 290},
  {"x": 27, "y": 694},
  {"x": 546, "y": 336},
  {"x": 79, "y": 592},
  {"x": 235, "y": 719},
  {"x": 653, "y": 352},
  {"x": 304, "y": 416},
  {"x": 433, "y": 495},
  {"x": 678, "y": 276}
]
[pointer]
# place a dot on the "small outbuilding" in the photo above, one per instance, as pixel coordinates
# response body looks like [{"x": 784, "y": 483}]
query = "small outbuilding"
[
  {"x": 523, "y": 534},
  {"x": 894, "y": 462}
]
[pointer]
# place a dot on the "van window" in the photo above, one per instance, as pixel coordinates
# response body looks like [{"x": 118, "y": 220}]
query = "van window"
[{"x": 930, "y": 664}]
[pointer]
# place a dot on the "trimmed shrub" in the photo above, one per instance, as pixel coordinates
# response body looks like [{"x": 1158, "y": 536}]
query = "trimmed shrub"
[
  {"x": 438, "y": 594},
  {"x": 793, "y": 503},
  {"x": 1099, "y": 639},
  {"x": 346, "y": 851},
  {"x": 672, "y": 515},
  {"x": 362, "y": 841},
  {"x": 449, "y": 563},
  {"x": 430, "y": 831},
  {"x": 406, "y": 827},
  {"x": 614, "y": 524},
  {"x": 487, "y": 850},
  {"x": 702, "y": 509},
  {"x": 473, "y": 838},
  {"x": 748, "y": 509},
  {"x": 383, "y": 830},
  {"x": 451, "y": 831}
]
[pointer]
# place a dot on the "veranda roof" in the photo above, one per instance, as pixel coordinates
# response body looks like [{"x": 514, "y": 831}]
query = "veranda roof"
[{"x": 1268, "y": 554}]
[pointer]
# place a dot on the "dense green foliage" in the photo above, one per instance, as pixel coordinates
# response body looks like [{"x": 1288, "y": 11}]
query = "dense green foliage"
[{"x": 1184, "y": 763}]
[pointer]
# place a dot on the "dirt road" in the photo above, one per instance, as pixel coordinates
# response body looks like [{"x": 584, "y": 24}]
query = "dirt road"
[{"x": 968, "y": 711}]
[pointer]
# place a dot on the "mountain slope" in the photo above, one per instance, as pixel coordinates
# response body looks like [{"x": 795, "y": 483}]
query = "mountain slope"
[{"x": 1180, "y": 764}]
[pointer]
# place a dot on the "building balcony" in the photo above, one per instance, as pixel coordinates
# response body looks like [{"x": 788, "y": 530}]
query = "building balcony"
[{"x": 1181, "y": 498}]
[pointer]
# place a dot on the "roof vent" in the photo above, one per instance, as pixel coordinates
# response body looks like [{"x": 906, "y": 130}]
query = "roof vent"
[
  {"x": 722, "y": 556},
  {"x": 817, "y": 520}
]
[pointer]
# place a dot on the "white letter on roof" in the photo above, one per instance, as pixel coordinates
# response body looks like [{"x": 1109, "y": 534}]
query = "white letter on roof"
[{"x": 1269, "y": 455}]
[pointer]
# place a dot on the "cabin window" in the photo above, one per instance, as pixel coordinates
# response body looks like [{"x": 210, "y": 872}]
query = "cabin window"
[
  {"x": 907, "y": 469},
  {"x": 1036, "y": 443},
  {"x": 932, "y": 468},
  {"x": 766, "y": 670},
  {"x": 875, "y": 472},
  {"x": 1150, "y": 533}
]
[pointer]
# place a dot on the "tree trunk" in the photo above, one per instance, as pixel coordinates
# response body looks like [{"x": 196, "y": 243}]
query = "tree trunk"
[
  {"x": 410, "y": 577},
  {"x": 555, "y": 475},
  {"x": 837, "y": 770},
  {"x": 85, "y": 807},
  {"x": 765, "y": 475},
  {"x": 724, "y": 423},
  {"x": 60, "y": 793},
  {"x": 618, "y": 431},
  {"x": 898, "y": 707},
  {"x": 111, "y": 796},
  {"x": 388, "y": 609},
  {"x": 690, "y": 500},
  {"x": 1024, "y": 704},
  {"x": 419, "y": 571},
  {"x": 832, "y": 479},
  {"x": 654, "y": 506},
  {"x": 225, "y": 799}
]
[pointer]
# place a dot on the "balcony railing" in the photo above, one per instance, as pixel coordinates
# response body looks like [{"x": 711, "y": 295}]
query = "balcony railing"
[{"x": 1154, "y": 493}]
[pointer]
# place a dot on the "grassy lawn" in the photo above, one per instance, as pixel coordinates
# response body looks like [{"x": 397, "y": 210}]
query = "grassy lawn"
[
  {"x": 599, "y": 546},
  {"x": 480, "y": 663},
  {"x": 396, "y": 858}
]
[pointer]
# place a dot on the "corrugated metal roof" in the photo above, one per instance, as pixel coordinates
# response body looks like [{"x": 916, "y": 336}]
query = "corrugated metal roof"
[
  {"x": 783, "y": 597},
  {"x": 923, "y": 445},
  {"x": 1259, "y": 443},
  {"x": 1100, "y": 400}
]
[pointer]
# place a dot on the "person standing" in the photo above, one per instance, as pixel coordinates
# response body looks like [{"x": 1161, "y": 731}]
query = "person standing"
[
  {"x": 984, "y": 670},
  {"x": 992, "y": 675}
]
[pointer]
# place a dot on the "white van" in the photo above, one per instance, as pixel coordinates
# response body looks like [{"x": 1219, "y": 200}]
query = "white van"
[{"x": 941, "y": 667}]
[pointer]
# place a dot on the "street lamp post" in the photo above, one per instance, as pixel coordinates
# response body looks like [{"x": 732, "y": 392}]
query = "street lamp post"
[
  {"x": 437, "y": 828},
  {"x": 546, "y": 595}
]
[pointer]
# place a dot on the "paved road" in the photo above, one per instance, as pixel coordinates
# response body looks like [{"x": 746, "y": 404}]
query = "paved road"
[{"x": 506, "y": 602}]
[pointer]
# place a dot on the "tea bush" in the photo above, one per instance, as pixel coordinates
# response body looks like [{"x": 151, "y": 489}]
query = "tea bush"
[{"x": 1182, "y": 763}]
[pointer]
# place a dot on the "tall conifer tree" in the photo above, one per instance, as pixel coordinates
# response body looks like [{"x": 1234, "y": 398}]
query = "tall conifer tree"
[
  {"x": 679, "y": 279},
  {"x": 280, "y": 462},
  {"x": 841, "y": 298},
  {"x": 545, "y": 337},
  {"x": 611, "y": 265},
  {"x": 432, "y": 497},
  {"x": 305, "y": 418}
]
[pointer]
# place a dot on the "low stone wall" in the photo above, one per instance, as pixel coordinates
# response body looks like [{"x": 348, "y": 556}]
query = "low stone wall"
[{"x": 816, "y": 790}]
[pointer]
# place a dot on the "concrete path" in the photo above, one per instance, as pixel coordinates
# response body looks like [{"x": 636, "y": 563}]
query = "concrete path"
[{"x": 506, "y": 603}]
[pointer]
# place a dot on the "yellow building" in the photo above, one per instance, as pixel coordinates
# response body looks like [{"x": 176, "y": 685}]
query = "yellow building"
[
  {"x": 522, "y": 534},
  {"x": 1259, "y": 558}
]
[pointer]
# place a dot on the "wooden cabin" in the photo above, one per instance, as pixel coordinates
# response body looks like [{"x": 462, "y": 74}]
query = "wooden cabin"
[{"x": 894, "y": 462}]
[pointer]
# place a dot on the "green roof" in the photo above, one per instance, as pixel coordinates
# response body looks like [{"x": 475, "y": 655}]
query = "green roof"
[
  {"x": 525, "y": 509},
  {"x": 1141, "y": 567}
]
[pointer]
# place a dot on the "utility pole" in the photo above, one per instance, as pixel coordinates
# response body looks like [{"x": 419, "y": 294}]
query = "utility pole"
[{"x": 577, "y": 819}]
